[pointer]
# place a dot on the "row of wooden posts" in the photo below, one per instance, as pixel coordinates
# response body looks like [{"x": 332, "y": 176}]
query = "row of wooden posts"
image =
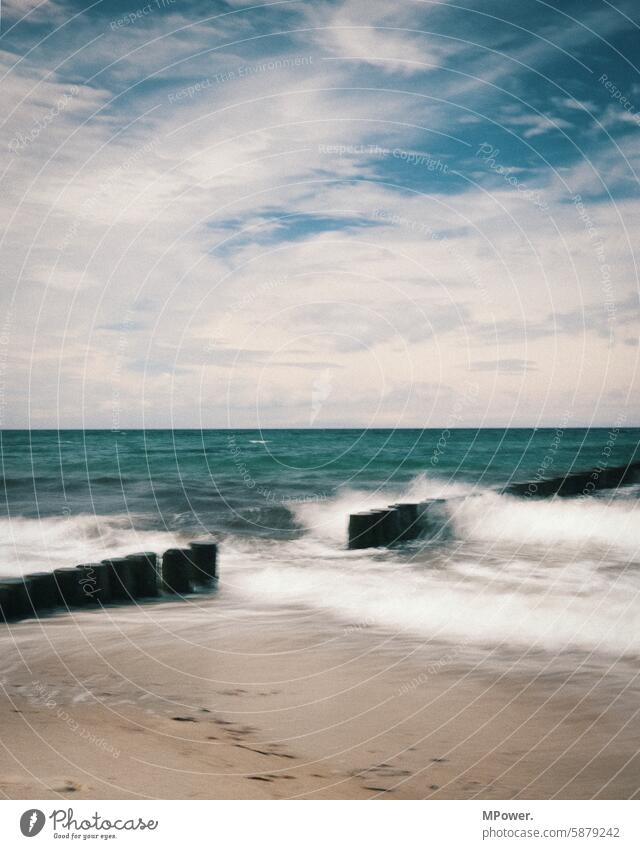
[
  {"x": 393, "y": 524},
  {"x": 119, "y": 580}
]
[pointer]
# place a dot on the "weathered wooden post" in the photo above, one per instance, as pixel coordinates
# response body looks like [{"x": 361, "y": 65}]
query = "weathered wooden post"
[
  {"x": 377, "y": 527},
  {"x": 204, "y": 556},
  {"x": 14, "y": 599},
  {"x": 408, "y": 525},
  {"x": 390, "y": 526},
  {"x": 374, "y": 528},
  {"x": 361, "y": 534},
  {"x": 95, "y": 582},
  {"x": 177, "y": 570},
  {"x": 145, "y": 574},
  {"x": 380, "y": 528},
  {"x": 42, "y": 590},
  {"x": 70, "y": 590},
  {"x": 121, "y": 579}
]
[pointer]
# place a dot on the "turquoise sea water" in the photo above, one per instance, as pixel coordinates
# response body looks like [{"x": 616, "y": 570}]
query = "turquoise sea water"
[
  {"x": 210, "y": 478},
  {"x": 551, "y": 573}
]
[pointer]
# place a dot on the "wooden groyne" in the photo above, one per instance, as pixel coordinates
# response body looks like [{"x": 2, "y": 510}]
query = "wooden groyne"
[
  {"x": 400, "y": 522},
  {"x": 390, "y": 525},
  {"x": 118, "y": 580},
  {"x": 577, "y": 484}
]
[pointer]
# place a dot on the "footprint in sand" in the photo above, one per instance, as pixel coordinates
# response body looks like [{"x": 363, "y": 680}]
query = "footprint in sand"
[
  {"x": 381, "y": 771},
  {"x": 67, "y": 787},
  {"x": 270, "y": 753},
  {"x": 241, "y": 731}
]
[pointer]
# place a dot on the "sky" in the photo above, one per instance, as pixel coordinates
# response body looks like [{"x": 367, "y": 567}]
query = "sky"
[{"x": 342, "y": 213}]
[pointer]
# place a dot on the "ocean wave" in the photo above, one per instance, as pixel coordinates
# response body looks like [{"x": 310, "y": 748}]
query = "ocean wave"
[
  {"x": 328, "y": 518},
  {"x": 28, "y": 545},
  {"x": 432, "y": 605},
  {"x": 542, "y": 574},
  {"x": 576, "y": 523},
  {"x": 522, "y": 572},
  {"x": 475, "y": 513}
]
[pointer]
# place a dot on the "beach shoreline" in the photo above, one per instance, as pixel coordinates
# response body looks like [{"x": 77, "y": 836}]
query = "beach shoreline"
[{"x": 209, "y": 699}]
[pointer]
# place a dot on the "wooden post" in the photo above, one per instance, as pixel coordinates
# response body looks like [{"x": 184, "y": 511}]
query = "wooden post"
[
  {"x": 43, "y": 590},
  {"x": 70, "y": 590},
  {"x": 14, "y": 599},
  {"x": 177, "y": 570},
  {"x": 361, "y": 532},
  {"x": 121, "y": 578},
  {"x": 380, "y": 528},
  {"x": 95, "y": 582},
  {"x": 204, "y": 556},
  {"x": 390, "y": 527},
  {"x": 145, "y": 574},
  {"x": 409, "y": 527}
]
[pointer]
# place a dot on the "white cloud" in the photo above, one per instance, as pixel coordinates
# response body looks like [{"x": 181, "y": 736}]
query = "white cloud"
[
  {"x": 537, "y": 125},
  {"x": 203, "y": 212},
  {"x": 376, "y": 33}
]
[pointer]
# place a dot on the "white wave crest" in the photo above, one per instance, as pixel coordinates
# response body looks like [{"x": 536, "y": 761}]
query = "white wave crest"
[{"x": 29, "y": 545}]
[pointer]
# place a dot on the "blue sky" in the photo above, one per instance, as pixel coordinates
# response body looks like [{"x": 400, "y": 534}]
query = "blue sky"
[{"x": 319, "y": 214}]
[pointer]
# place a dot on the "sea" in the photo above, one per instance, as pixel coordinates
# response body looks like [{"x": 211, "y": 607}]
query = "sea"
[{"x": 552, "y": 575}]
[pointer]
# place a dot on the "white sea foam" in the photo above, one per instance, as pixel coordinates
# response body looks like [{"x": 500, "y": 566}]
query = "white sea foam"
[
  {"x": 328, "y": 519},
  {"x": 572, "y": 522},
  {"x": 551, "y": 574},
  {"x": 547, "y": 574},
  {"x": 430, "y": 607},
  {"x": 481, "y": 514},
  {"x": 28, "y": 545}
]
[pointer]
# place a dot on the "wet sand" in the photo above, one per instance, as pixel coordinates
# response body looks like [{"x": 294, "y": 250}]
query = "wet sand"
[{"x": 210, "y": 699}]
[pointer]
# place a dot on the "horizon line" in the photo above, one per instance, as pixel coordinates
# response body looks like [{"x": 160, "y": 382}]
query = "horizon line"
[{"x": 320, "y": 429}]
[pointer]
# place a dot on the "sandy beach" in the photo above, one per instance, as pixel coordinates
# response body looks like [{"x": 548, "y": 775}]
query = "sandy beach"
[{"x": 206, "y": 699}]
